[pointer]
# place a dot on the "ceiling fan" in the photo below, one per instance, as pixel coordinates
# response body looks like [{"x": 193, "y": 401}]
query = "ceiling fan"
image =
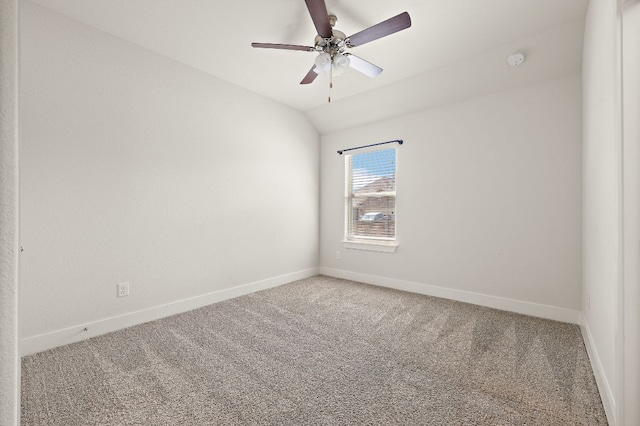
[{"x": 331, "y": 44}]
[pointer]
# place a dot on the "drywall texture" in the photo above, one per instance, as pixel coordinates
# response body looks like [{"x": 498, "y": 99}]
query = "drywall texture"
[
  {"x": 136, "y": 168},
  {"x": 9, "y": 248},
  {"x": 488, "y": 196},
  {"x": 601, "y": 187},
  {"x": 631, "y": 165}
]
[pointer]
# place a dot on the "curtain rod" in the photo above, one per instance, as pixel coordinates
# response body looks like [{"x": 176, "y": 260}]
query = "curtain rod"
[{"x": 398, "y": 141}]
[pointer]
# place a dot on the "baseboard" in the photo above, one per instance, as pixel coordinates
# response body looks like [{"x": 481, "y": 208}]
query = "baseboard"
[
  {"x": 606, "y": 393},
  {"x": 511, "y": 305},
  {"x": 42, "y": 342}
]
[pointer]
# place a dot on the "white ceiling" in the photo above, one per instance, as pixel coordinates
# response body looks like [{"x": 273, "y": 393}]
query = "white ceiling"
[{"x": 446, "y": 35}]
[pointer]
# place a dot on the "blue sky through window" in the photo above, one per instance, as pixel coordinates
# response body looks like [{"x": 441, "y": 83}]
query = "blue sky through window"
[{"x": 371, "y": 166}]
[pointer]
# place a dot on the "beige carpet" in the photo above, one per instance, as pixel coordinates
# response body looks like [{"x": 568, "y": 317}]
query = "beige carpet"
[{"x": 320, "y": 351}]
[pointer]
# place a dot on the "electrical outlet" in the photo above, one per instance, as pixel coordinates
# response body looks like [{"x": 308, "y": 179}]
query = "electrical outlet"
[
  {"x": 123, "y": 289},
  {"x": 338, "y": 255}
]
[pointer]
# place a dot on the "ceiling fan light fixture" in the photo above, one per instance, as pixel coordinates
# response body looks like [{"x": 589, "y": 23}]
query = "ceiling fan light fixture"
[
  {"x": 337, "y": 65},
  {"x": 340, "y": 63},
  {"x": 323, "y": 62}
]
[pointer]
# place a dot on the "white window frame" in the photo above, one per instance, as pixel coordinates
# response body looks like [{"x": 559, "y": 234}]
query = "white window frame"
[{"x": 379, "y": 244}]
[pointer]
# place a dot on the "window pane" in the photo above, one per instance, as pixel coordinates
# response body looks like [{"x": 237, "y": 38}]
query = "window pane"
[
  {"x": 374, "y": 170},
  {"x": 371, "y": 195}
]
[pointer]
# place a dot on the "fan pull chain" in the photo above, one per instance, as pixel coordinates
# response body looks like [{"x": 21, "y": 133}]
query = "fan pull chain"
[{"x": 330, "y": 79}]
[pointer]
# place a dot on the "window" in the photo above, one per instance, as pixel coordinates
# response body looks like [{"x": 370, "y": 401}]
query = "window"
[{"x": 370, "y": 199}]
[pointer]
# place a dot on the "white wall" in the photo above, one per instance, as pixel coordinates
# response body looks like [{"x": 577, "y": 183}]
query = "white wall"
[
  {"x": 631, "y": 165},
  {"x": 601, "y": 194},
  {"x": 137, "y": 168},
  {"x": 488, "y": 200},
  {"x": 9, "y": 244}
]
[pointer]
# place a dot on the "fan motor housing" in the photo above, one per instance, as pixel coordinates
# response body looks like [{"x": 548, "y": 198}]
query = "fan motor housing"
[{"x": 333, "y": 45}]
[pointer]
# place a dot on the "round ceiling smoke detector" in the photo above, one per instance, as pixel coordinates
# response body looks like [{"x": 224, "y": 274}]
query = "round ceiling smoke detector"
[{"x": 515, "y": 59}]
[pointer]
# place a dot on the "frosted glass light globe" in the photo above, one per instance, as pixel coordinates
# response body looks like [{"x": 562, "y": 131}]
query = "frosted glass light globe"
[
  {"x": 323, "y": 63},
  {"x": 340, "y": 63}
]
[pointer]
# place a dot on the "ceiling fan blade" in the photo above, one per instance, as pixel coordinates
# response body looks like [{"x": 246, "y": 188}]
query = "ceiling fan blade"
[
  {"x": 283, "y": 46},
  {"x": 384, "y": 28},
  {"x": 311, "y": 75},
  {"x": 365, "y": 67},
  {"x": 320, "y": 17}
]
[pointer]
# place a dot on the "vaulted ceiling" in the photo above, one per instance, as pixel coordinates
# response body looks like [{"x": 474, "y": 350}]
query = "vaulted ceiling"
[{"x": 455, "y": 49}]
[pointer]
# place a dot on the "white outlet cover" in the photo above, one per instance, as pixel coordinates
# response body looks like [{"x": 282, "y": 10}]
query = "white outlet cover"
[{"x": 123, "y": 289}]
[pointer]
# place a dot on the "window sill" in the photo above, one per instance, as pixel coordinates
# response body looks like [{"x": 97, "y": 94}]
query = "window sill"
[{"x": 385, "y": 247}]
